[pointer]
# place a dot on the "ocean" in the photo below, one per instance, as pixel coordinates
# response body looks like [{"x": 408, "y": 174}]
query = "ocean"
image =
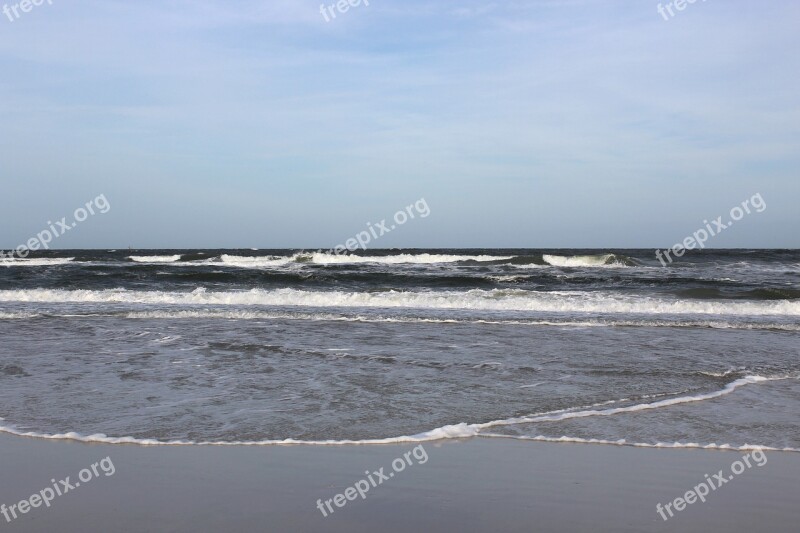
[{"x": 266, "y": 347}]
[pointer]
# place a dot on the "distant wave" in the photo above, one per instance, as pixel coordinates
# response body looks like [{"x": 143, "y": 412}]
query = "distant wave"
[
  {"x": 319, "y": 258},
  {"x": 328, "y": 259},
  {"x": 475, "y": 299},
  {"x": 255, "y": 262},
  {"x": 458, "y": 431},
  {"x": 50, "y": 261},
  {"x": 603, "y": 260},
  {"x": 201, "y": 259},
  {"x": 154, "y": 258}
]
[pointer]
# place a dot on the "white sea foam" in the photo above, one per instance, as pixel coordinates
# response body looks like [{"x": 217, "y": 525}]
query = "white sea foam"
[
  {"x": 331, "y": 259},
  {"x": 45, "y": 261},
  {"x": 509, "y": 279},
  {"x": 475, "y": 299},
  {"x": 729, "y": 388},
  {"x": 457, "y": 431},
  {"x": 604, "y": 260},
  {"x": 319, "y": 258},
  {"x": 266, "y": 315},
  {"x": 154, "y": 258},
  {"x": 624, "y": 442},
  {"x": 255, "y": 262},
  {"x": 723, "y": 374},
  {"x": 16, "y": 316},
  {"x": 529, "y": 266},
  {"x": 446, "y": 432}
]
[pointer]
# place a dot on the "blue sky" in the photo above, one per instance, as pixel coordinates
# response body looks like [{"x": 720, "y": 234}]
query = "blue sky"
[{"x": 523, "y": 124}]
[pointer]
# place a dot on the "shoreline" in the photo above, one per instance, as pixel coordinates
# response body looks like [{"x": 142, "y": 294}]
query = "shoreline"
[
  {"x": 423, "y": 438},
  {"x": 475, "y": 484}
]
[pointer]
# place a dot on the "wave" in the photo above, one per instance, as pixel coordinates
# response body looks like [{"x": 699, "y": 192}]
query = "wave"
[
  {"x": 17, "y": 316},
  {"x": 255, "y": 262},
  {"x": 195, "y": 256},
  {"x": 509, "y": 279},
  {"x": 320, "y": 258},
  {"x": 602, "y": 260},
  {"x": 328, "y": 259},
  {"x": 154, "y": 258},
  {"x": 475, "y": 300},
  {"x": 49, "y": 261},
  {"x": 454, "y": 431},
  {"x": 271, "y": 315}
]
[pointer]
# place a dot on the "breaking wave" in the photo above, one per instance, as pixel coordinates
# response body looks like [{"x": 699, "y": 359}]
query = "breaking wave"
[
  {"x": 51, "y": 261},
  {"x": 603, "y": 260},
  {"x": 475, "y": 299},
  {"x": 155, "y": 258}
]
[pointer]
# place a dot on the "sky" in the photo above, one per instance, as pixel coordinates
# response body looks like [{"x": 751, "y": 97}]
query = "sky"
[{"x": 539, "y": 123}]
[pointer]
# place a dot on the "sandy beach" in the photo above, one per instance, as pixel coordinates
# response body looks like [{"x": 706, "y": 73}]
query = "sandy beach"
[{"x": 471, "y": 485}]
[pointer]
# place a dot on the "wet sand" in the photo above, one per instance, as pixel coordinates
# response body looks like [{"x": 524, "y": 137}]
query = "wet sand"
[{"x": 471, "y": 485}]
